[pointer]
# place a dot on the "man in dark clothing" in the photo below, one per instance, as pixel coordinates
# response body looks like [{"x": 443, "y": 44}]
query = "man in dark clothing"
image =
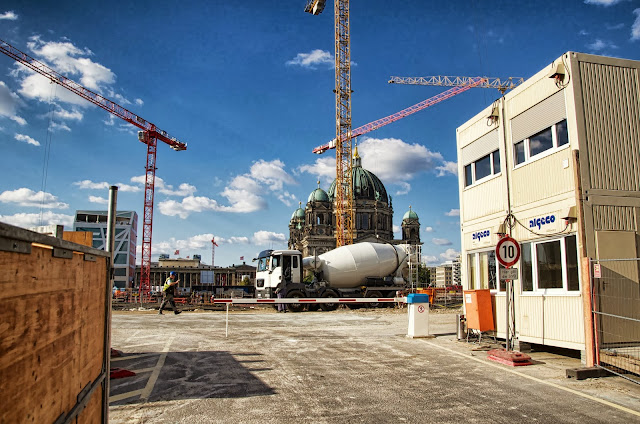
[{"x": 169, "y": 290}]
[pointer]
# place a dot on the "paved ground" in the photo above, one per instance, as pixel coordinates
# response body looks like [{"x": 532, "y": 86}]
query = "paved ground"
[{"x": 347, "y": 366}]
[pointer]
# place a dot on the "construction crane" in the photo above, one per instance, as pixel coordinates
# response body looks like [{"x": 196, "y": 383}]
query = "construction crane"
[
  {"x": 213, "y": 250},
  {"x": 470, "y": 83},
  {"x": 149, "y": 135},
  {"x": 344, "y": 183},
  {"x": 440, "y": 80}
]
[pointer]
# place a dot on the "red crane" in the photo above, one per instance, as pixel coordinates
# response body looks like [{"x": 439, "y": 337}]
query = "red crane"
[
  {"x": 149, "y": 135},
  {"x": 213, "y": 250},
  {"x": 472, "y": 82}
]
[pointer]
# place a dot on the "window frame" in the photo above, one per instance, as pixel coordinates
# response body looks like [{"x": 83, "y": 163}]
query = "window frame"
[
  {"x": 492, "y": 166},
  {"x": 527, "y": 148},
  {"x": 500, "y": 287},
  {"x": 564, "y": 290}
]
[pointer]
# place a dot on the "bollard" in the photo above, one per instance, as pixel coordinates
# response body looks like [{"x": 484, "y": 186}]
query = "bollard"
[
  {"x": 460, "y": 331},
  {"x": 418, "y": 309}
]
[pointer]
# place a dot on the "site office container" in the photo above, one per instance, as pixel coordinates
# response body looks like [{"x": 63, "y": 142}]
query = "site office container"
[
  {"x": 591, "y": 179},
  {"x": 55, "y": 300}
]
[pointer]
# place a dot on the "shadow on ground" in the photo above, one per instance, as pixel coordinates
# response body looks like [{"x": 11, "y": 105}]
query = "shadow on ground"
[{"x": 190, "y": 375}]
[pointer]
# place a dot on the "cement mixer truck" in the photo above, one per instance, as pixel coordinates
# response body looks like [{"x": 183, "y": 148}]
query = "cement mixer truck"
[{"x": 358, "y": 270}]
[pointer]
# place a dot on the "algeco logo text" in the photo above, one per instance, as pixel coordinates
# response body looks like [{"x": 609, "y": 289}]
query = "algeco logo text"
[
  {"x": 539, "y": 222},
  {"x": 481, "y": 234}
]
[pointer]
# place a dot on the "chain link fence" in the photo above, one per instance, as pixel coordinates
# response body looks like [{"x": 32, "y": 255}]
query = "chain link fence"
[{"x": 616, "y": 312}]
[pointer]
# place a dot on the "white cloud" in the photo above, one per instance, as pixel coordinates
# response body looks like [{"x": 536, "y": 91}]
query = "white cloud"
[
  {"x": 449, "y": 255},
  {"x": 160, "y": 186},
  {"x": 612, "y": 27},
  {"x": 72, "y": 115},
  {"x": 599, "y": 45},
  {"x": 404, "y": 188},
  {"x": 441, "y": 242},
  {"x": 323, "y": 168},
  {"x": 99, "y": 200},
  {"x": 453, "y": 212},
  {"x": 271, "y": 173},
  {"x": 313, "y": 59},
  {"x": 287, "y": 198},
  {"x": 635, "y": 28},
  {"x": 27, "y": 197},
  {"x": 605, "y": 3},
  {"x": 28, "y": 220},
  {"x": 139, "y": 102},
  {"x": 583, "y": 32},
  {"x": 268, "y": 237},
  {"x": 187, "y": 206},
  {"x": 59, "y": 127},
  {"x": 19, "y": 120},
  {"x": 91, "y": 185},
  {"x": 395, "y": 161},
  {"x": 26, "y": 139},
  {"x": 9, "y": 16},
  {"x": 9, "y": 104},
  {"x": 397, "y": 228},
  {"x": 447, "y": 168},
  {"x": 430, "y": 260},
  {"x": 428, "y": 229}
]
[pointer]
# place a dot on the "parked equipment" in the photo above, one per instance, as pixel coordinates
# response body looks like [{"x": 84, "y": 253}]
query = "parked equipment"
[{"x": 372, "y": 270}]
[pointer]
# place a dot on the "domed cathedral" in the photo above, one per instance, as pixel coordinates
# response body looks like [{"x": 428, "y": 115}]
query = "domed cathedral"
[{"x": 311, "y": 230}]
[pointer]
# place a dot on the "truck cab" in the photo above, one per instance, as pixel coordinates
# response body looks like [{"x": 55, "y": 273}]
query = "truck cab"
[{"x": 276, "y": 270}]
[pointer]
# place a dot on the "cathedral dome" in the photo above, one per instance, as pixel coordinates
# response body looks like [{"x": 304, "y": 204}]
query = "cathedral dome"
[
  {"x": 318, "y": 195},
  {"x": 366, "y": 185},
  {"x": 410, "y": 215},
  {"x": 298, "y": 214}
]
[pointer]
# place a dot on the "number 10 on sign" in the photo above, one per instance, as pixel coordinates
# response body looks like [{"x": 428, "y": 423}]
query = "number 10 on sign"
[{"x": 508, "y": 251}]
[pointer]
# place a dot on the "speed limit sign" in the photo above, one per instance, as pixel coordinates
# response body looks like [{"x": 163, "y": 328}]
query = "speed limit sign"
[{"x": 508, "y": 251}]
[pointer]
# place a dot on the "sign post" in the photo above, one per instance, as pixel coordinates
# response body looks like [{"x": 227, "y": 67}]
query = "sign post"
[{"x": 508, "y": 254}]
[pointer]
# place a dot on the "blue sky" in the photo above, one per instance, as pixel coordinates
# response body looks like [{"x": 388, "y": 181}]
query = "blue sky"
[{"x": 248, "y": 85}]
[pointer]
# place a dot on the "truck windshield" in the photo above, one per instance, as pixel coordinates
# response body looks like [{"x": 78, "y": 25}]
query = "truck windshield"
[{"x": 263, "y": 264}]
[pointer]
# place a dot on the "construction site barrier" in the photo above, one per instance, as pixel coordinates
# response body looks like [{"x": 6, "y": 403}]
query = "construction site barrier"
[{"x": 309, "y": 300}]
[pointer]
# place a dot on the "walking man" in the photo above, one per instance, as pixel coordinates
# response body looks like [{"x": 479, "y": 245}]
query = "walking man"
[{"x": 169, "y": 290}]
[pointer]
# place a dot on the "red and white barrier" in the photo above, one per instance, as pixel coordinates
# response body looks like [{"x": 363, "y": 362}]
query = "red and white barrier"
[{"x": 308, "y": 300}]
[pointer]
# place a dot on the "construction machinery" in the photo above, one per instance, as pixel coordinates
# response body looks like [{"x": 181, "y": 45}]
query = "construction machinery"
[
  {"x": 470, "y": 83},
  {"x": 344, "y": 183},
  {"x": 369, "y": 270},
  {"x": 501, "y": 85},
  {"x": 149, "y": 135}
]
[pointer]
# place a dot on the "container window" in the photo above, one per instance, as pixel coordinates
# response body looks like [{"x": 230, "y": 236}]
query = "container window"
[
  {"x": 526, "y": 265},
  {"x": 561, "y": 133},
  {"x": 573, "y": 282},
  {"x": 483, "y": 167},
  {"x": 495, "y": 156},
  {"x": 468, "y": 177},
  {"x": 540, "y": 142}
]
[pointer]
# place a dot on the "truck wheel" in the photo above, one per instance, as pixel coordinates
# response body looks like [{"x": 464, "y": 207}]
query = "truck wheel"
[
  {"x": 295, "y": 307},
  {"x": 375, "y": 293},
  {"x": 329, "y": 306}
]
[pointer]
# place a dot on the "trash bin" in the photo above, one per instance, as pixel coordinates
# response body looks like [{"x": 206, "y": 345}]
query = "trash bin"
[{"x": 418, "y": 306}]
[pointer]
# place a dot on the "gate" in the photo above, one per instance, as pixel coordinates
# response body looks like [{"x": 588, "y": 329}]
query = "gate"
[{"x": 616, "y": 314}]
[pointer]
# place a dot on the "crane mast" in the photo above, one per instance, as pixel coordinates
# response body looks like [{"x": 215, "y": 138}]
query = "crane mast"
[
  {"x": 501, "y": 85},
  {"x": 344, "y": 180},
  {"x": 213, "y": 250},
  {"x": 149, "y": 135}
]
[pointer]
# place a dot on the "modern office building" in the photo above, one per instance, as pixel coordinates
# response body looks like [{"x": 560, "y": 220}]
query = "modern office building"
[
  {"x": 125, "y": 240},
  {"x": 555, "y": 163}
]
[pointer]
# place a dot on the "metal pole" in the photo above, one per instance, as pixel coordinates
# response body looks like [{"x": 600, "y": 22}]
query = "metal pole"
[
  {"x": 227, "y": 323},
  {"x": 111, "y": 226}
]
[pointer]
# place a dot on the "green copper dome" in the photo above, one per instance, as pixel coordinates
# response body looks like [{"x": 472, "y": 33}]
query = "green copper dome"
[
  {"x": 410, "y": 215},
  {"x": 318, "y": 195},
  {"x": 298, "y": 214},
  {"x": 365, "y": 183}
]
